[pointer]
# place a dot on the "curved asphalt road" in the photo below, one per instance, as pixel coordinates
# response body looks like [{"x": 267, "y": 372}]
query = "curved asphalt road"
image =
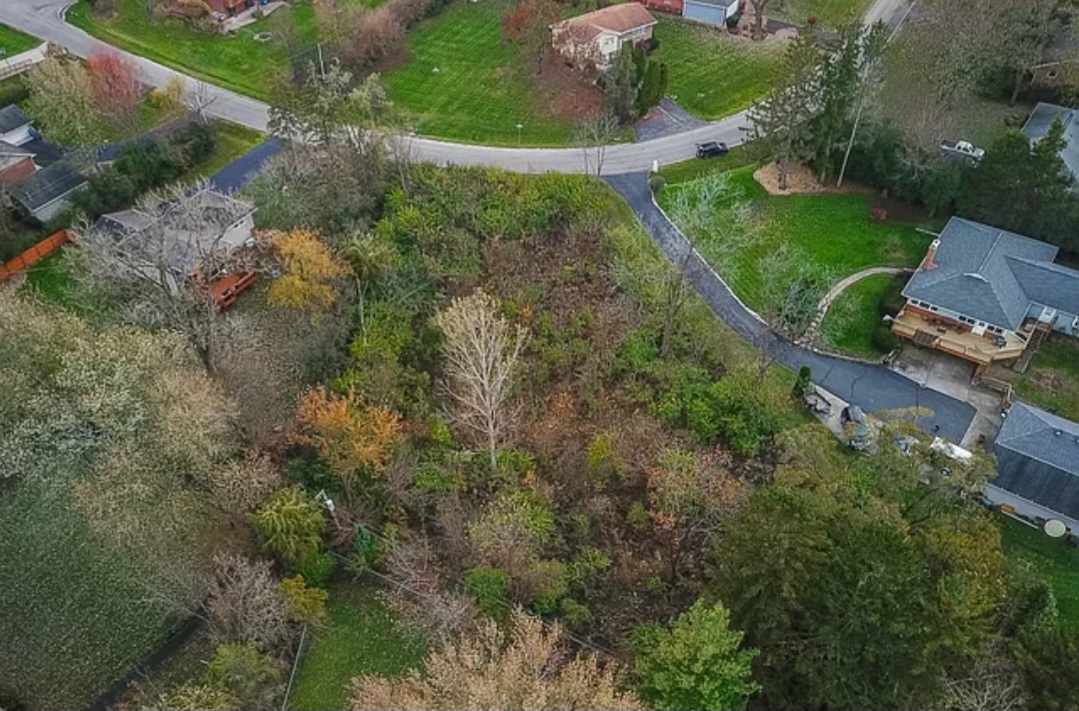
[
  {"x": 45, "y": 19},
  {"x": 873, "y": 387}
]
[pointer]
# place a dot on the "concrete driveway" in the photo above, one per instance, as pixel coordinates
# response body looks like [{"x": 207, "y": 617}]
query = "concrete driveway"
[{"x": 874, "y": 388}]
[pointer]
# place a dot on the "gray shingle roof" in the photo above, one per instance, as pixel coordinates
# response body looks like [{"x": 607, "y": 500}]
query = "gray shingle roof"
[
  {"x": 1048, "y": 284},
  {"x": 1038, "y": 458},
  {"x": 11, "y": 118},
  {"x": 974, "y": 277},
  {"x": 1042, "y": 117},
  {"x": 47, "y": 184}
]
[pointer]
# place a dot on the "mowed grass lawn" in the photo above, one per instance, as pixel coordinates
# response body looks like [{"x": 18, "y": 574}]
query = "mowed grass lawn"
[
  {"x": 1054, "y": 559},
  {"x": 829, "y": 235},
  {"x": 463, "y": 82},
  {"x": 853, "y": 316},
  {"x": 361, "y": 638},
  {"x": 829, "y": 13},
  {"x": 12, "y": 41},
  {"x": 1052, "y": 380},
  {"x": 710, "y": 73},
  {"x": 238, "y": 62}
]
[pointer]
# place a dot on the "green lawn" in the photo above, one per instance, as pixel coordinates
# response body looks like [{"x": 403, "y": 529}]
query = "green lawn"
[
  {"x": 1054, "y": 559},
  {"x": 232, "y": 142},
  {"x": 13, "y": 42},
  {"x": 829, "y": 13},
  {"x": 829, "y": 235},
  {"x": 361, "y": 638},
  {"x": 853, "y": 316},
  {"x": 711, "y": 73},
  {"x": 465, "y": 83},
  {"x": 695, "y": 168},
  {"x": 51, "y": 278},
  {"x": 1052, "y": 380},
  {"x": 238, "y": 63}
]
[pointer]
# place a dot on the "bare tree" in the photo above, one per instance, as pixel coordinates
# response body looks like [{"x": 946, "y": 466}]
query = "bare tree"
[
  {"x": 593, "y": 136},
  {"x": 759, "y": 6},
  {"x": 245, "y": 603},
  {"x": 481, "y": 349},
  {"x": 991, "y": 684},
  {"x": 199, "y": 99}
]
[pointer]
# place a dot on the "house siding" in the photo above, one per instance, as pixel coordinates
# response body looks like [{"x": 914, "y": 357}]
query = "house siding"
[
  {"x": 1027, "y": 508},
  {"x": 709, "y": 14},
  {"x": 19, "y": 171}
]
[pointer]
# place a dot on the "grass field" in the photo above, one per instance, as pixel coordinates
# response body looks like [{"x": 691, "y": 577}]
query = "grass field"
[
  {"x": 238, "y": 63},
  {"x": 232, "y": 142},
  {"x": 361, "y": 638},
  {"x": 829, "y": 13},
  {"x": 1054, "y": 559},
  {"x": 13, "y": 42},
  {"x": 712, "y": 74},
  {"x": 853, "y": 316},
  {"x": 1052, "y": 380},
  {"x": 73, "y": 618},
  {"x": 830, "y": 235},
  {"x": 464, "y": 83}
]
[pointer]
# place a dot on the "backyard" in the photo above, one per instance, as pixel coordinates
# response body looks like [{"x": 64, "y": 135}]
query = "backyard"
[
  {"x": 362, "y": 637},
  {"x": 1054, "y": 559},
  {"x": 830, "y": 235},
  {"x": 854, "y": 315},
  {"x": 713, "y": 74},
  {"x": 13, "y": 42},
  {"x": 1052, "y": 380},
  {"x": 828, "y": 13}
]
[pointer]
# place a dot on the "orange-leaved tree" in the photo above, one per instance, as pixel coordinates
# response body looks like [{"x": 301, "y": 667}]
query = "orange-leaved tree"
[
  {"x": 350, "y": 435},
  {"x": 311, "y": 270}
]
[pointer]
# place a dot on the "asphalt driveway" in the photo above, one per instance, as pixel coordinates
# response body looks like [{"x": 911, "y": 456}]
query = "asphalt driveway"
[{"x": 873, "y": 387}]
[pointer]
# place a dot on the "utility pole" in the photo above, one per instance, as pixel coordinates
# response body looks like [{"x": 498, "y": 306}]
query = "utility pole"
[{"x": 321, "y": 63}]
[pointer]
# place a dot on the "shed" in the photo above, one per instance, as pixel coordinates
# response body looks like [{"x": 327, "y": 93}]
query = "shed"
[
  {"x": 46, "y": 192},
  {"x": 712, "y": 12},
  {"x": 15, "y": 126}
]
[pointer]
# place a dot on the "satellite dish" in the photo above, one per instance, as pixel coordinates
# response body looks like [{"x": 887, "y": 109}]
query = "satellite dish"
[{"x": 1054, "y": 528}]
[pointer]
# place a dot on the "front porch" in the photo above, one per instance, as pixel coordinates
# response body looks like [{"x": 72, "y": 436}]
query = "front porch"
[{"x": 956, "y": 340}]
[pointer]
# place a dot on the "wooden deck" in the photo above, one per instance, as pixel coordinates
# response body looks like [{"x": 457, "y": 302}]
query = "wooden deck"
[{"x": 958, "y": 342}]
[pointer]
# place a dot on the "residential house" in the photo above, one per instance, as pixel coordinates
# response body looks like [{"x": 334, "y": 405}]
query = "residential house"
[
  {"x": 47, "y": 192},
  {"x": 712, "y": 12},
  {"x": 985, "y": 294},
  {"x": 182, "y": 243},
  {"x": 1042, "y": 117},
  {"x": 594, "y": 38},
  {"x": 16, "y": 163},
  {"x": 1037, "y": 466},
  {"x": 15, "y": 126}
]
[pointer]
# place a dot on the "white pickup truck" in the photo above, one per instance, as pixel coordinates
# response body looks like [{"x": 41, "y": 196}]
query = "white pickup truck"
[{"x": 963, "y": 149}]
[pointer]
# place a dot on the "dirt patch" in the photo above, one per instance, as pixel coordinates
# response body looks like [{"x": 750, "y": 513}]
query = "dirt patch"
[
  {"x": 802, "y": 181},
  {"x": 1048, "y": 380},
  {"x": 565, "y": 93}
]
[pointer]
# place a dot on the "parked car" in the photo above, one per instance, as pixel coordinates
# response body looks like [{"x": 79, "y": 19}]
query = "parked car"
[
  {"x": 859, "y": 436},
  {"x": 962, "y": 149},
  {"x": 712, "y": 149}
]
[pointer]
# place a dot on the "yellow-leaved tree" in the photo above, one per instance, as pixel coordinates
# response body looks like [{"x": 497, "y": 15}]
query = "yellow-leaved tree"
[
  {"x": 311, "y": 270},
  {"x": 348, "y": 433}
]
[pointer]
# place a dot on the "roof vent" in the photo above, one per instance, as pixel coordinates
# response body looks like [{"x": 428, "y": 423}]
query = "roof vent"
[
  {"x": 1058, "y": 433},
  {"x": 977, "y": 276}
]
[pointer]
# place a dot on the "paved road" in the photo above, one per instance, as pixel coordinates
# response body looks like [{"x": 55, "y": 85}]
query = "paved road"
[
  {"x": 44, "y": 19},
  {"x": 874, "y": 388},
  {"x": 239, "y": 172}
]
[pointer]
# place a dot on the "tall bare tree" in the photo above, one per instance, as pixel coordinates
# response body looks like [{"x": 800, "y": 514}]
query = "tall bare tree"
[
  {"x": 481, "y": 349},
  {"x": 593, "y": 136}
]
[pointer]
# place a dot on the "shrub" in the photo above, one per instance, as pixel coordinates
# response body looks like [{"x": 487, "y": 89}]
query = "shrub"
[
  {"x": 108, "y": 191},
  {"x": 657, "y": 183},
  {"x": 546, "y": 582},
  {"x": 576, "y": 615},
  {"x": 491, "y": 588},
  {"x": 304, "y": 604},
  {"x": 892, "y": 300},
  {"x": 317, "y": 569},
  {"x": 291, "y": 526},
  {"x": 195, "y": 142},
  {"x": 243, "y": 671},
  {"x": 884, "y": 340},
  {"x": 150, "y": 165},
  {"x": 637, "y": 517}
]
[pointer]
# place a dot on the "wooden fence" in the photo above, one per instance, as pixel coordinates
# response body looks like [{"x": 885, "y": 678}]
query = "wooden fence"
[
  {"x": 19, "y": 63},
  {"x": 34, "y": 255}
]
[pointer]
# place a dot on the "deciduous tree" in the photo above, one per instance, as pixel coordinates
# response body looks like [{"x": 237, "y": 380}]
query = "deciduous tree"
[
  {"x": 310, "y": 271},
  {"x": 115, "y": 88},
  {"x": 61, "y": 94},
  {"x": 697, "y": 664},
  {"x": 349, "y": 434},
  {"x": 522, "y": 667},
  {"x": 481, "y": 350}
]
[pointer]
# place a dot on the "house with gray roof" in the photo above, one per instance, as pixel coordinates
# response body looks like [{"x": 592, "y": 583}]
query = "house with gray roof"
[
  {"x": 48, "y": 191},
  {"x": 1041, "y": 119},
  {"x": 1037, "y": 466},
  {"x": 983, "y": 294},
  {"x": 15, "y": 126}
]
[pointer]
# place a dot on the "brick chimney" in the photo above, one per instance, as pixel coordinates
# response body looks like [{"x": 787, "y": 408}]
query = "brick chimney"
[{"x": 929, "y": 262}]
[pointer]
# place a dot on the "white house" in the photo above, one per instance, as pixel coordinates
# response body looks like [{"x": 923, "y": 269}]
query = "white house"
[{"x": 596, "y": 37}]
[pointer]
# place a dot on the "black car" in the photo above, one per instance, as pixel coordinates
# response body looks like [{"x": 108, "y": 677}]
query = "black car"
[{"x": 712, "y": 149}]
